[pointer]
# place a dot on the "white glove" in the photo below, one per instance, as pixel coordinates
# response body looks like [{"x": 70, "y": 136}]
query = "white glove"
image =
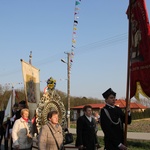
[
  {"x": 10, "y": 131},
  {"x": 12, "y": 119},
  {"x": 122, "y": 147}
]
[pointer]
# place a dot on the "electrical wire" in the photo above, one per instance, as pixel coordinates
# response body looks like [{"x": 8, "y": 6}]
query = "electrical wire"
[{"x": 117, "y": 39}]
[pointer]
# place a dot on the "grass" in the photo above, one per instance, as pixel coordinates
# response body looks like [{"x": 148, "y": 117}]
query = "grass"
[
  {"x": 138, "y": 145},
  {"x": 132, "y": 144},
  {"x": 141, "y": 125}
]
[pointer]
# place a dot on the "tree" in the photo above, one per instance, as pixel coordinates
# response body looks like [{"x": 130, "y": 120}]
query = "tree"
[{"x": 1, "y": 90}]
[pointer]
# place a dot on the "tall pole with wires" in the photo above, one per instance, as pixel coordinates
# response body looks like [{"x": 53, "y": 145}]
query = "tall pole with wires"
[
  {"x": 30, "y": 58},
  {"x": 68, "y": 88}
]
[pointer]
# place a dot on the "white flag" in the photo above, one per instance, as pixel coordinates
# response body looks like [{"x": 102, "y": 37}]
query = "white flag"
[{"x": 8, "y": 109}]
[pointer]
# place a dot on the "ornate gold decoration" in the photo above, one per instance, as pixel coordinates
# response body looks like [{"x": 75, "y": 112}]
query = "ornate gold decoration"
[{"x": 50, "y": 101}]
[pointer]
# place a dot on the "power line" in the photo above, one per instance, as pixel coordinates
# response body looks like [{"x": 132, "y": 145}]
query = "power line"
[
  {"x": 117, "y": 39},
  {"x": 103, "y": 43}
]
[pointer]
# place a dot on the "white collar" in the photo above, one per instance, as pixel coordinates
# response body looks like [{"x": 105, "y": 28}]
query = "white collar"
[
  {"x": 110, "y": 105},
  {"x": 89, "y": 118}
]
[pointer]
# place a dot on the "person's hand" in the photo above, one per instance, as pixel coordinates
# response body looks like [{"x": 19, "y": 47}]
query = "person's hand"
[
  {"x": 97, "y": 146},
  {"x": 12, "y": 119},
  {"x": 16, "y": 147},
  {"x": 81, "y": 147},
  {"x": 122, "y": 147},
  {"x": 10, "y": 131},
  {"x": 29, "y": 135}
]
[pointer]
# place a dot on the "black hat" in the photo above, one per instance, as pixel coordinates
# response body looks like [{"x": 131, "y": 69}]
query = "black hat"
[
  {"x": 15, "y": 105},
  {"x": 109, "y": 92},
  {"x": 23, "y": 102}
]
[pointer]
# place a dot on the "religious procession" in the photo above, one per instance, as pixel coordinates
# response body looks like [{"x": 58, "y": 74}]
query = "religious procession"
[
  {"x": 48, "y": 128},
  {"x": 42, "y": 121}
]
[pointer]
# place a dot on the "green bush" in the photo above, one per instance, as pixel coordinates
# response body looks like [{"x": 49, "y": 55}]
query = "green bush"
[
  {"x": 141, "y": 115},
  {"x": 138, "y": 145}
]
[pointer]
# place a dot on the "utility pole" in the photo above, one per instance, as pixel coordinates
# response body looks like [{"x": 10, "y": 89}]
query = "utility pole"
[
  {"x": 68, "y": 88},
  {"x": 30, "y": 58}
]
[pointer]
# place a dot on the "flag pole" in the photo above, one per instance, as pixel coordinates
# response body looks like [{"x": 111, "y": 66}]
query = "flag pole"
[
  {"x": 128, "y": 76},
  {"x": 12, "y": 103},
  {"x": 30, "y": 58}
]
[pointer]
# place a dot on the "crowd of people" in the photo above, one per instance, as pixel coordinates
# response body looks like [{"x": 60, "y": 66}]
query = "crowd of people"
[
  {"x": 20, "y": 130},
  {"x": 7, "y": 126}
]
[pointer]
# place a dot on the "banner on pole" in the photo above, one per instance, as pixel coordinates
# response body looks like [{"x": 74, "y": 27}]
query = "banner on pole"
[
  {"x": 31, "y": 82},
  {"x": 8, "y": 109},
  {"x": 139, "y": 49}
]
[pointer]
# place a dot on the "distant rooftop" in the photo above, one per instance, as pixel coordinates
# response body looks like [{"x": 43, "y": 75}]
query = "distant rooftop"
[{"x": 120, "y": 103}]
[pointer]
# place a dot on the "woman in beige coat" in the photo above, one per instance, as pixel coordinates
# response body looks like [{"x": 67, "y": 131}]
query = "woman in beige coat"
[{"x": 46, "y": 140}]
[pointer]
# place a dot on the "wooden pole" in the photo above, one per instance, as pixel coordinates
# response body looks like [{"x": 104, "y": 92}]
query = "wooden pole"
[
  {"x": 9, "y": 135},
  {"x": 128, "y": 76}
]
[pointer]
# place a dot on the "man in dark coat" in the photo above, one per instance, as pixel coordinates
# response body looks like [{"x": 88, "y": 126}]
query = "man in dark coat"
[
  {"x": 112, "y": 119},
  {"x": 1, "y": 126},
  {"x": 4, "y": 130},
  {"x": 86, "y": 135},
  {"x": 22, "y": 104}
]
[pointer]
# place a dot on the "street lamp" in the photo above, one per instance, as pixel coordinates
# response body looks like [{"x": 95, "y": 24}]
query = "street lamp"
[{"x": 68, "y": 87}]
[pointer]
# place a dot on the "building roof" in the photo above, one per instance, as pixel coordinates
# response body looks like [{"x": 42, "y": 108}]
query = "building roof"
[
  {"x": 99, "y": 106},
  {"x": 120, "y": 103}
]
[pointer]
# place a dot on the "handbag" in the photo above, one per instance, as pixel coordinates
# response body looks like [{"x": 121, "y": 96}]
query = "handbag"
[{"x": 68, "y": 138}]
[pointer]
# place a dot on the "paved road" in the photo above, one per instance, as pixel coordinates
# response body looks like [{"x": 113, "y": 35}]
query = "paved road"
[{"x": 130, "y": 135}]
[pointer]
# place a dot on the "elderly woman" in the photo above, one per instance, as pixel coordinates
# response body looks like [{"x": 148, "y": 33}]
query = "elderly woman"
[
  {"x": 22, "y": 132},
  {"x": 51, "y": 137}
]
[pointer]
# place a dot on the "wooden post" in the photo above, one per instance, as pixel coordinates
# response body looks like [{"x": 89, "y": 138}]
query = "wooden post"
[{"x": 128, "y": 77}]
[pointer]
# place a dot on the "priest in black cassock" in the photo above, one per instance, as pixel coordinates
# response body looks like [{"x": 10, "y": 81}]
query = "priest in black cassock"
[{"x": 111, "y": 120}]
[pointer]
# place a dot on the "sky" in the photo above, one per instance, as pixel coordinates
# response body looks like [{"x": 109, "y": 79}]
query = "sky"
[{"x": 46, "y": 27}]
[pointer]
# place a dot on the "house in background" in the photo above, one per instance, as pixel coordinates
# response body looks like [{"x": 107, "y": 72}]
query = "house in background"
[{"x": 135, "y": 107}]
